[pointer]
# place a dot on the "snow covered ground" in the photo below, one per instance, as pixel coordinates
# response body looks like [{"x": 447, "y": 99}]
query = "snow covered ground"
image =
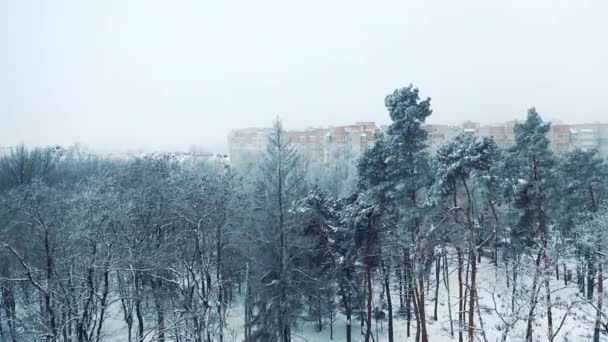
[{"x": 495, "y": 300}]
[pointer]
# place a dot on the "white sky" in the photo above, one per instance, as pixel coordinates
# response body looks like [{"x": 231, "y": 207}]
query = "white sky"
[{"x": 132, "y": 73}]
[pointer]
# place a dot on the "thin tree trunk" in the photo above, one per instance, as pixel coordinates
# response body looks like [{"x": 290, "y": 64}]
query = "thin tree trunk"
[
  {"x": 600, "y": 299},
  {"x": 590, "y": 278},
  {"x": 408, "y": 290},
  {"x": 138, "y": 312},
  {"x": 446, "y": 280},
  {"x": 48, "y": 296},
  {"x": 160, "y": 314},
  {"x": 437, "y": 275},
  {"x": 1, "y": 330},
  {"x": 495, "y": 254},
  {"x": 220, "y": 283},
  {"x": 368, "y": 276},
  {"x": 331, "y": 324},
  {"x": 533, "y": 300},
  {"x": 416, "y": 314},
  {"x": 419, "y": 292},
  {"x": 389, "y": 303},
  {"x": 400, "y": 279},
  {"x": 514, "y": 289},
  {"x": 346, "y": 303},
  {"x": 319, "y": 315},
  {"x": 580, "y": 278},
  {"x": 473, "y": 294},
  {"x": 104, "y": 299},
  {"x": 548, "y": 296},
  {"x": 460, "y": 296}
]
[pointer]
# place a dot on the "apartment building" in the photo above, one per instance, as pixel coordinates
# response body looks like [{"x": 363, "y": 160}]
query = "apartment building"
[
  {"x": 438, "y": 135},
  {"x": 248, "y": 143},
  {"x": 590, "y": 136},
  {"x": 562, "y": 137},
  {"x": 325, "y": 144},
  {"x": 314, "y": 144}
]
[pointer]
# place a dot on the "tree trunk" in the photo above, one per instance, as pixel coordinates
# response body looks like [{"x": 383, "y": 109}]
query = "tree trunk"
[
  {"x": 408, "y": 290},
  {"x": 400, "y": 279},
  {"x": 548, "y": 298},
  {"x": 1, "y": 330},
  {"x": 104, "y": 299},
  {"x": 460, "y": 296},
  {"x": 514, "y": 289},
  {"x": 138, "y": 312},
  {"x": 416, "y": 314},
  {"x": 368, "y": 278},
  {"x": 8, "y": 303},
  {"x": 580, "y": 278},
  {"x": 472, "y": 295},
  {"x": 348, "y": 325},
  {"x": 331, "y": 324},
  {"x": 446, "y": 280},
  {"x": 600, "y": 299},
  {"x": 389, "y": 303},
  {"x": 319, "y": 315},
  {"x": 419, "y": 292},
  {"x": 346, "y": 304},
  {"x": 590, "y": 278},
  {"x": 160, "y": 313},
  {"x": 533, "y": 300},
  {"x": 437, "y": 275},
  {"x": 495, "y": 233},
  {"x": 220, "y": 283}
]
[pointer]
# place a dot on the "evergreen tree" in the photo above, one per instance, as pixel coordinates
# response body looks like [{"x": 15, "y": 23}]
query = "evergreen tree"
[
  {"x": 278, "y": 239},
  {"x": 318, "y": 220},
  {"x": 532, "y": 162},
  {"x": 398, "y": 171},
  {"x": 583, "y": 184},
  {"x": 457, "y": 162}
]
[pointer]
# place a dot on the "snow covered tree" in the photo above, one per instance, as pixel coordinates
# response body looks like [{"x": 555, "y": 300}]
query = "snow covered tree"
[
  {"x": 278, "y": 239},
  {"x": 318, "y": 219},
  {"x": 583, "y": 186},
  {"x": 457, "y": 162},
  {"x": 532, "y": 162},
  {"x": 346, "y": 258},
  {"x": 23, "y": 165},
  {"x": 593, "y": 236},
  {"x": 408, "y": 173},
  {"x": 371, "y": 224}
]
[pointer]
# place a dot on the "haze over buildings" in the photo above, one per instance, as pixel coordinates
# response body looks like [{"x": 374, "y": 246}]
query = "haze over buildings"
[
  {"x": 325, "y": 144},
  {"x": 168, "y": 74}
]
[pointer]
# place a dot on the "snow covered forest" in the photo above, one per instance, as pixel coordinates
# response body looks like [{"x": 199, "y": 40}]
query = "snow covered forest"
[{"x": 470, "y": 243}]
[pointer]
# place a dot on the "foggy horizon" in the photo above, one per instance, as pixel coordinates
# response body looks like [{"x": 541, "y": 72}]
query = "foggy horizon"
[
  {"x": 116, "y": 75},
  {"x": 412, "y": 188}
]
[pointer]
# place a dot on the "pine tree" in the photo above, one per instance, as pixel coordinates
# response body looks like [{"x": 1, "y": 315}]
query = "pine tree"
[
  {"x": 583, "y": 185},
  {"x": 317, "y": 217},
  {"x": 396, "y": 172},
  {"x": 532, "y": 162},
  {"x": 457, "y": 162},
  {"x": 377, "y": 187},
  {"x": 280, "y": 185}
]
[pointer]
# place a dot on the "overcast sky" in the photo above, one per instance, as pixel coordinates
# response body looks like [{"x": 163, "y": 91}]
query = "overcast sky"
[{"x": 133, "y": 73}]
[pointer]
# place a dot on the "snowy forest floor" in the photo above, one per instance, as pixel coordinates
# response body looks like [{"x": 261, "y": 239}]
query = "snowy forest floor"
[{"x": 573, "y": 316}]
